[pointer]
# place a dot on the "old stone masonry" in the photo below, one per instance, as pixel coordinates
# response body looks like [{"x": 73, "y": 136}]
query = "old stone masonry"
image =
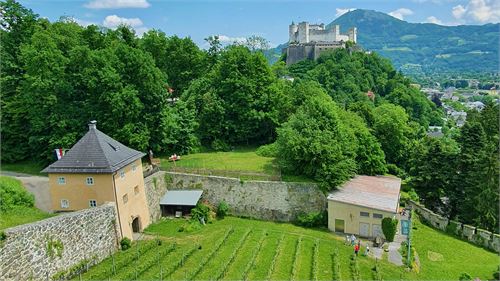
[{"x": 50, "y": 248}]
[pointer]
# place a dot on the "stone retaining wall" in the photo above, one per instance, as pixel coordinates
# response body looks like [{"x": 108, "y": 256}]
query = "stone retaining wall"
[
  {"x": 470, "y": 233},
  {"x": 49, "y": 247},
  {"x": 267, "y": 200},
  {"x": 156, "y": 187}
]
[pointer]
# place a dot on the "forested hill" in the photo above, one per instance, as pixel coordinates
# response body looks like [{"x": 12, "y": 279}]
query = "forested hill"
[{"x": 425, "y": 47}]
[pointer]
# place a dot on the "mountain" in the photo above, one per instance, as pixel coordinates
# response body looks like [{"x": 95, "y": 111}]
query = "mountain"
[{"x": 425, "y": 47}]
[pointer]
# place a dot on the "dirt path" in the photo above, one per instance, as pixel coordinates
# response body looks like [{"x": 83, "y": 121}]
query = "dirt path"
[{"x": 36, "y": 185}]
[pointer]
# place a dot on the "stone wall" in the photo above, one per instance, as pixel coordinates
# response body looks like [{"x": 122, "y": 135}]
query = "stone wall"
[
  {"x": 156, "y": 186},
  {"x": 267, "y": 200},
  {"x": 470, "y": 233},
  {"x": 49, "y": 247}
]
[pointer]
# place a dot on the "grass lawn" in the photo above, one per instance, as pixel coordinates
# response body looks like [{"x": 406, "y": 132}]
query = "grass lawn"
[
  {"x": 25, "y": 167},
  {"x": 21, "y": 215},
  {"x": 242, "y": 162},
  {"x": 243, "y": 249},
  {"x": 445, "y": 257}
]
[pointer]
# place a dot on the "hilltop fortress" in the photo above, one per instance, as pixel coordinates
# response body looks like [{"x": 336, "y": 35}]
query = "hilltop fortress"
[{"x": 308, "y": 41}]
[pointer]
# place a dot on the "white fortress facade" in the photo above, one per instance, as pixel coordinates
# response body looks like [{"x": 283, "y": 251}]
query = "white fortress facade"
[
  {"x": 308, "y": 41},
  {"x": 304, "y": 32}
]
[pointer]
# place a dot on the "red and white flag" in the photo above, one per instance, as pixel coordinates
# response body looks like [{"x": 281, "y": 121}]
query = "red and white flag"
[{"x": 59, "y": 153}]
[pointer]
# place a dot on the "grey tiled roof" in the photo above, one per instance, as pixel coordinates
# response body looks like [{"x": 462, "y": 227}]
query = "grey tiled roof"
[
  {"x": 95, "y": 152},
  {"x": 181, "y": 197},
  {"x": 376, "y": 192}
]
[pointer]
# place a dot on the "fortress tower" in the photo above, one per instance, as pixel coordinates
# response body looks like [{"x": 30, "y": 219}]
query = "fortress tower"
[{"x": 308, "y": 41}]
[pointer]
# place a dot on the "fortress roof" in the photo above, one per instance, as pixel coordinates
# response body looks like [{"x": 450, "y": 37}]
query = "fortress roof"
[{"x": 95, "y": 152}]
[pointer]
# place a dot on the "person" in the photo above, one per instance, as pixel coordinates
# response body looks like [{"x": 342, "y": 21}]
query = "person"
[
  {"x": 353, "y": 239},
  {"x": 367, "y": 250},
  {"x": 356, "y": 249}
]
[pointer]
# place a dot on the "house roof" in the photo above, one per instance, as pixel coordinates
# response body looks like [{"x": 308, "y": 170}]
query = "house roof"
[
  {"x": 181, "y": 197},
  {"x": 376, "y": 192},
  {"x": 95, "y": 152}
]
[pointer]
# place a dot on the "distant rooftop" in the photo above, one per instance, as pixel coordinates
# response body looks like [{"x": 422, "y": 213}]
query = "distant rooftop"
[
  {"x": 95, "y": 152},
  {"x": 376, "y": 192},
  {"x": 181, "y": 197}
]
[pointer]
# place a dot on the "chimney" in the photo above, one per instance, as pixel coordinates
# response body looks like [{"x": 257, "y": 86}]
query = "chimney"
[{"x": 92, "y": 124}]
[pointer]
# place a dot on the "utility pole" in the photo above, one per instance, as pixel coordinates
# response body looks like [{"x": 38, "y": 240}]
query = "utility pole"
[{"x": 408, "y": 237}]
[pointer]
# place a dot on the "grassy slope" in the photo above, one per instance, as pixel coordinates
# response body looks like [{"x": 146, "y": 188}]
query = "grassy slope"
[
  {"x": 25, "y": 167},
  {"x": 243, "y": 160},
  {"x": 18, "y": 214},
  {"x": 458, "y": 256},
  {"x": 453, "y": 256}
]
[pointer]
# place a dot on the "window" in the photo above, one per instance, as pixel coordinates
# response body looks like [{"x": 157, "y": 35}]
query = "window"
[
  {"x": 136, "y": 189},
  {"x": 61, "y": 180},
  {"x": 364, "y": 214},
  {"x": 134, "y": 166},
  {"x": 92, "y": 203},
  {"x": 125, "y": 198},
  {"x": 90, "y": 181},
  {"x": 377, "y": 216},
  {"x": 64, "y": 203},
  {"x": 122, "y": 174}
]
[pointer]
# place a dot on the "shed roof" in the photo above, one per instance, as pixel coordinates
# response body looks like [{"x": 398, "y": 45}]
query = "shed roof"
[
  {"x": 376, "y": 192},
  {"x": 181, "y": 197},
  {"x": 95, "y": 152}
]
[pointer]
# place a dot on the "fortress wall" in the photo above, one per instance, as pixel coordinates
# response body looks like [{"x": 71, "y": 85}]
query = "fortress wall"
[
  {"x": 267, "y": 200},
  {"x": 60, "y": 244}
]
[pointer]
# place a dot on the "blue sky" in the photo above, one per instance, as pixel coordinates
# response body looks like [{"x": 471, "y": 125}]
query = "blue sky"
[{"x": 233, "y": 20}]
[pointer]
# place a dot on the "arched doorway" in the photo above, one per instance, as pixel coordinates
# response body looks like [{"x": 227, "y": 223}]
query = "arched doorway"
[{"x": 136, "y": 224}]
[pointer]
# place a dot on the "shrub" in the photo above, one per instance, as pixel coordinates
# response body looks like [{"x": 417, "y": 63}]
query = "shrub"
[
  {"x": 409, "y": 195},
  {"x": 200, "y": 211},
  {"x": 219, "y": 145},
  {"x": 222, "y": 209},
  {"x": 314, "y": 219},
  {"x": 395, "y": 170},
  {"x": 268, "y": 150},
  {"x": 125, "y": 243},
  {"x": 464, "y": 277},
  {"x": 496, "y": 274},
  {"x": 12, "y": 194},
  {"x": 389, "y": 227}
]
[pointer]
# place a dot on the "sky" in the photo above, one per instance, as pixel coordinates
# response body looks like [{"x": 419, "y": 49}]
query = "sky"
[{"x": 236, "y": 20}]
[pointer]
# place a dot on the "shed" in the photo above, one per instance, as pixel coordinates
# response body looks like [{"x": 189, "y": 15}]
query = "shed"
[{"x": 182, "y": 201}]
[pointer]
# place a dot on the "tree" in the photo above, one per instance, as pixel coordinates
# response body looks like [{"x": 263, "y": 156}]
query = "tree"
[
  {"x": 256, "y": 43},
  {"x": 316, "y": 143},
  {"x": 389, "y": 227},
  {"x": 433, "y": 168},
  {"x": 391, "y": 129}
]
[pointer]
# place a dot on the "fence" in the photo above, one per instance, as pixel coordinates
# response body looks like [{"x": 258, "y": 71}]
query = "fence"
[{"x": 243, "y": 175}]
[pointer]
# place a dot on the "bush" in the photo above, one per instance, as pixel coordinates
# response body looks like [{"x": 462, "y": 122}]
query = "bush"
[
  {"x": 408, "y": 195},
  {"x": 395, "y": 170},
  {"x": 389, "y": 227},
  {"x": 200, "y": 211},
  {"x": 464, "y": 277},
  {"x": 314, "y": 219},
  {"x": 12, "y": 194},
  {"x": 222, "y": 209},
  {"x": 219, "y": 145},
  {"x": 125, "y": 243},
  {"x": 268, "y": 150}
]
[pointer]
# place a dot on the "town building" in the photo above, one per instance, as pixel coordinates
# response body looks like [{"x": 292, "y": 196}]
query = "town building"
[
  {"x": 179, "y": 203},
  {"x": 99, "y": 169},
  {"x": 359, "y": 206},
  {"x": 308, "y": 41}
]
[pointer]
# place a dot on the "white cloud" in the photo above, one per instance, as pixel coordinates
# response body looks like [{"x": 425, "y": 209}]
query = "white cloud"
[
  {"x": 401, "y": 13},
  {"x": 433, "y": 19},
  {"x": 229, "y": 40},
  {"x": 113, "y": 21},
  {"x": 341, "y": 11},
  {"x": 83, "y": 23},
  {"x": 478, "y": 11},
  {"x": 117, "y": 4},
  {"x": 458, "y": 11}
]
